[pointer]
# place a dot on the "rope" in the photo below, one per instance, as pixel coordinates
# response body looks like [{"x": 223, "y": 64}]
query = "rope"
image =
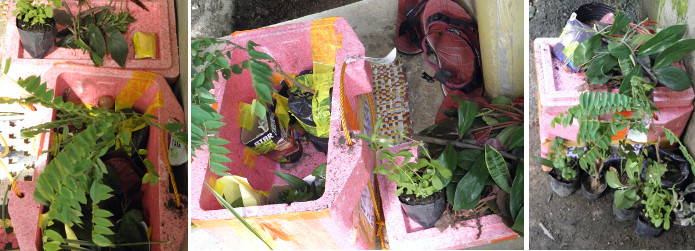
[
  {"x": 379, "y": 222},
  {"x": 14, "y": 185},
  {"x": 343, "y": 121},
  {"x": 171, "y": 174}
]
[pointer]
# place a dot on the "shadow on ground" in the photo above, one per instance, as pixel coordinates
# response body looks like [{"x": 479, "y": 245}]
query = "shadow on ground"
[{"x": 574, "y": 222}]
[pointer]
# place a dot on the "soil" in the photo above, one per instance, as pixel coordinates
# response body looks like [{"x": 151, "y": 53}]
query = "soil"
[
  {"x": 39, "y": 28},
  {"x": 673, "y": 174},
  {"x": 255, "y": 14},
  {"x": 593, "y": 185},
  {"x": 574, "y": 222},
  {"x": 411, "y": 199}
]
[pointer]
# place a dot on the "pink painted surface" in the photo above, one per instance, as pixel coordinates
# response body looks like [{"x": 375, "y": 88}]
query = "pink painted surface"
[
  {"x": 558, "y": 90},
  {"x": 90, "y": 83},
  {"x": 404, "y": 233},
  {"x": 348, "y": 168},
  {"x": 25, "y": 216},
  {"x": 160, "y": 19}
]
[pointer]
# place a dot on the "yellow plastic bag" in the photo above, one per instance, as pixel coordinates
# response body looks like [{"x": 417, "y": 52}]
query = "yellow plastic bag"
[{"x": 145, "y": 45}]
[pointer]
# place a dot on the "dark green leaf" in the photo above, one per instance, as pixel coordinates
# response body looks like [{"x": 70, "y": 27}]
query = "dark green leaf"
[
  {"x": 259, "y": 55},
  {"x": 468, "y": 190},
  {"x": 96, "y": 40},
  {"x": 674, "y": 53},
  {"x": 516, "y": 196},
  {"x": 619, "y": 50},
  {"x": 236, "y": 69},
  {"x": 585, "y": 50},
  {"x": 662, "y": 40},
  {"x": 619, "y": 23},
  {"x": 118, "y": 47},
  {"x": 673, "y": 77},
  {"x": 320, "y": 170},
  {"x": 466, "y": 114},
  {"x": 626, "y": 84},
  {"x": 498, "y": 168},
  {"x": 293, "y": 181}
]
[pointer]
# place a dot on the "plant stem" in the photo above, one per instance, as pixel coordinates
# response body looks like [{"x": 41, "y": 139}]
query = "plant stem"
[{"x": 443, "y": 142}]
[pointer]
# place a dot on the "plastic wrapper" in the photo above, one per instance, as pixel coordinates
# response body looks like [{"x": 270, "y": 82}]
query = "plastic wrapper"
[{"x": 145, "y": 45}]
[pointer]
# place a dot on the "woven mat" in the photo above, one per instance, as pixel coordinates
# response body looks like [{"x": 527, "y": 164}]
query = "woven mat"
[{"x": 391, "y": 96}]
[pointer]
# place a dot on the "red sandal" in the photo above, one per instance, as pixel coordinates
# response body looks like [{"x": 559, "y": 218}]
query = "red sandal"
[{"x": 408, "y": 28}]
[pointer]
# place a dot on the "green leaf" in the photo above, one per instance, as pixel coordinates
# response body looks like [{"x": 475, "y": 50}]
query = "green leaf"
[
  {"x": 585, "y": 50},
  {"x": 259, "y": 55},
  {"x": 221, "y": 61},
  {"x": 467, "y": 157},
  {"x": 498, "y": 168},
  {"x": 53, "y": 235},
  {"x": 146, "y": 178},
  {"x": 117, "y": 45},
  {"x": 519, "y": 223},
  {"x": 673, "y": 78},
  {"x": 619, "y": 50},
  {"x": 293, "y": 181},
  {"x": 320, "y": 171},
  {"x": 613, "y": 180},
  {"x": 619, "y": 23},
  {"x": 626, "y": 84},
  {"x": 96, "y": 40},
  {"x": 674, "y": 53},
  {"x": 516, "y": 196},
  {"x": 236, "y": 69},
  {"x": 466, "y": 114},
  {"x": 662, "y": 40},
  {"x": 468, "y": 190},
  {"x": 173, "y": 127},
  {"x": 102, "y": 230},
  {"x": 217, "y": 141},
  {"x": 264, "y": 92},
  {"x": 7, "y": 65},
  {"x": 448, "y": 159},
  {"x": 101, "y": 241},
  {"x": 219, "y": 158},
  {"x": 218, "y": 149}
]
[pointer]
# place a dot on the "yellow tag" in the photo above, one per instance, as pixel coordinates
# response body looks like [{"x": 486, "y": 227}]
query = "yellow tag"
[{"x": 145, "y": 45}]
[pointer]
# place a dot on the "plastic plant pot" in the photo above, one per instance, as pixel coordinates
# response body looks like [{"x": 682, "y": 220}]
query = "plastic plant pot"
[
  {"x": 677, "y": 161},
  {"x": 626, "y": 214},
  {"x": 645, "y": 228},
  {"x": 592, "y": 195},
  {"x": 428, "y": 214},
  {"x": 37, "y": 43},
  {"x": 563, "y": 189}
]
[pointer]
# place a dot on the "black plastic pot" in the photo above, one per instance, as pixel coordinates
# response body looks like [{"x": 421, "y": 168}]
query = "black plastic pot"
[
  {"x": 625, "y": 214},
  {"x": 676, "y": 161},
  {"x": 645, "y": 228},
  {"x": 37, "y": 43},
  {"x": 426, "y": 215},
  {"x": 591, "y": 196},
  {"x": 561, "y": 188},
  {"x": 593, "y": 12}
]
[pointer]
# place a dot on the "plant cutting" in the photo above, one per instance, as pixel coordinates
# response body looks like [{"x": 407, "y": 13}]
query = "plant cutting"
[
  {"x": 87, "y": 192},
  {"x": 36, "y": 26},
  {"x": 684, "y": 211},
  {"x": 677, "y": 167},
  {"x": 563, "y": 177},
  {"x": 96, "y": 30},
  {"x": 627, "y": 184},
  {"x": 300, "y": 190},
  {"x": 210, "y": 58},
  {"x": 658, "y": 204},
  {"x": 633, "y": 50},
  {"x": 420, "y": 182}
]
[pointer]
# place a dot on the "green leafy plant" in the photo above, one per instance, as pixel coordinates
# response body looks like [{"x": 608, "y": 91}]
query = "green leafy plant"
[
  {"x": 301, "y": 191},
  {"x": 210, "y": 58},
  {"x": 626, "y": 195},
  {"x": 97, "y": 30},
  {"x": 558, "y": 159},
  {"x": 658, "y": 202},
  {"x": 421, "y": 177},
  {"x": 74, "y": 179},
  {"x": 628, "y": 50},
  {"x": 35, "y": 12}
]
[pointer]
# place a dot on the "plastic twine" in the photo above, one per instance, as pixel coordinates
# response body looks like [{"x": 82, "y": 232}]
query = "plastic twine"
[
  {"x": 171, "y": 174},
  {"x": 7, "y": 150},
  {"x": 379, "y": 222},
  {"x": 343, "y": 121}
]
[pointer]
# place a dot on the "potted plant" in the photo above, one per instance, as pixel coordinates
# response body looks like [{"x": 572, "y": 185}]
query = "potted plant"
[
  {"x": 677, "y": 167},
  {"x": 36, "y": 26},
  {"x": 658, "y": 205},
  {"x": 627, "y": 184},
  {"x": 563, "y": 178},
  {"x": 420, "y": 181}
]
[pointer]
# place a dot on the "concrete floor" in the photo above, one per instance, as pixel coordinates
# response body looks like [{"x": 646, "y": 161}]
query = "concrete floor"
[{"x": 374, "y": 22}]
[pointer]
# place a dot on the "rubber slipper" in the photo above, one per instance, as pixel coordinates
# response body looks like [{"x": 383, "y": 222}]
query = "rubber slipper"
[
  {"x": 452, "y": 35},
  {"x": 409, "y": 30}
]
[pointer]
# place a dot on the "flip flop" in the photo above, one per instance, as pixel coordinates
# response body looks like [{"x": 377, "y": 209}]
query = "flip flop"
[
  {"x": 452, "y": 35},
  {"x": 408, "y": 27}
]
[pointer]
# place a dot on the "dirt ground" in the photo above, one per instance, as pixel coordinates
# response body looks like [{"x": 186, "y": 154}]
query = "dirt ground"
[
  {"x": 574, "y": 222},
  {"x": 255, "y": 14}
]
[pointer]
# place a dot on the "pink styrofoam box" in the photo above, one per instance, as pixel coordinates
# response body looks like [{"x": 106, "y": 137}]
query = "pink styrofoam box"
[
  {"x": 89, "y": 83},
  {"x": 404, "y": 233},
  {"x": 160, "y": 19},
  {"x": 348, "y": 168},
  {"x": 558, "y": 90}
]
